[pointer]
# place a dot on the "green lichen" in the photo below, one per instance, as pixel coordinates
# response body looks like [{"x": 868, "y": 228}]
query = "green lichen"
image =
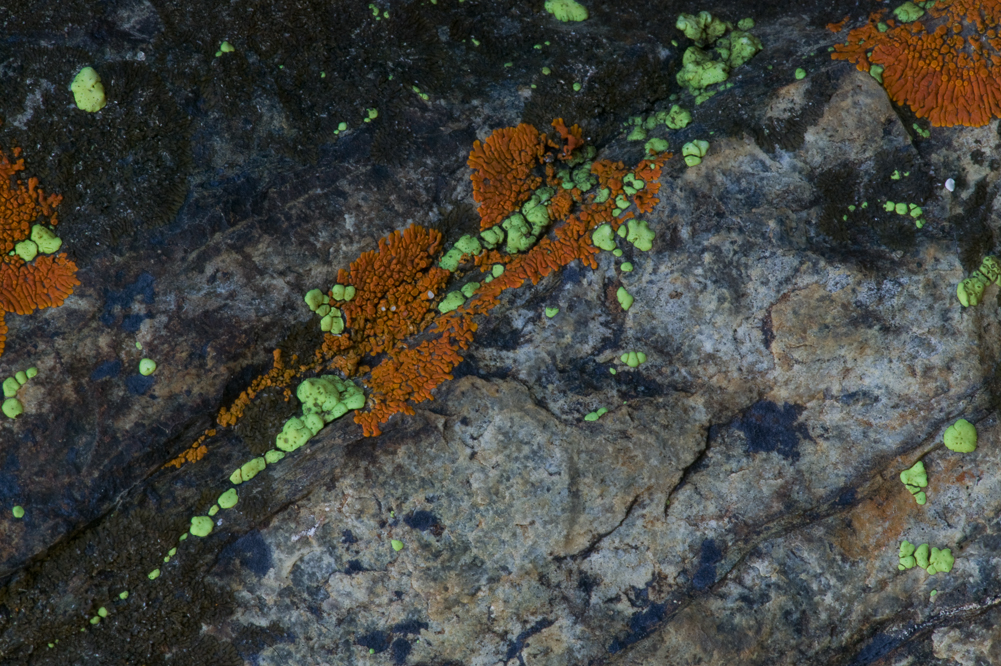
[
  {"x": 640, "y": 235},
  {"x": 800, "y": 73},
  {"x": 396, "y": 544},
  {"x": 876, "y": 72},
  {"x": 603, "y": 237},
  {"x": 12, "y": 408},
  {"x": 465, "y": 245},
  {"x": 469, "y": 289},
  {"x": 18, "y": 511},
  {"x": 932, "y": 560},
  {"x": 26, "y": 249},
  {"x": 248, "y": 470},
  {"x": 147, "y": 366},
  {"x": 225, "y": 47},
  {"x": 970, "y": 290},
  {"x": 552, "y": 312},
  {"x": 908, "y": 12},
  {"x": 961, "y": 437},
  {"x": 624, "y": 297},
  {"x": 154, "y": 574},
  {"x": 633, "y": 359},
  {"x": 88, "y": 91},
  {"x": 914, "y": 479},
  {"x": 702, "y": 28},
  {"x": 273, "y": 456},
  {"x": 10, "y": 387},
  {"x": 566, "y": 10},
  {"x": 595, "y": 415},
  {"x": 656, "y": 145},
  {"x": 694, "y": 151},
  {"x": 201, "y": 526},
  {"x": 452, "y": 301},
  {"x": 626, "y": 267}
]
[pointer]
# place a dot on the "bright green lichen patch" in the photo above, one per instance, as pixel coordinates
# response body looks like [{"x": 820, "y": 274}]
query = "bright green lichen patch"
[
  {"x": 228, "y": 499},
  {"x": 595, "y": 415},
  {"x": 932, "y": 560},
  {"x": 465, "y": 245},
  {"x": 961, "y": 437},
  {"x": 566, "y": 10},
  {"x": 603, "y": 238},
  {"x": 640, "y": 235},
  {"x": 154, "y": 574},
  {"x": 907, "y": 209},
  {"x": 800, "y": 73},
  {"x": 18, "y": 511},
  {"x": 694, "y": 151},
  {"x": 552, "y": 312},
  {"x": 273, "y": 456},
  {"x": 201, "y": 526},
  {"x": 626, "y": 267},
  {"x": 10, "y": 387},
  {"x": 88, "y": 91},
  {"x": 453, "y": 301},
  {"x": 324, "y": 399},
  {"x": 147, "y": 366},
  {"x": 914, "y": 479},
  {"x": 396, "y": 544},
  {"x": 970, "y": 290},
  {"x": 624, "y": 297},
  {"x": 633, "y": 359},
  {"x": 12, "y": 408},
  {"x": 731, "y": 49}
]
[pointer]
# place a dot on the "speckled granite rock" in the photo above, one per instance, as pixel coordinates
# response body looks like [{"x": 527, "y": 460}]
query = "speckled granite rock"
[{"x": 738, "y": 503}]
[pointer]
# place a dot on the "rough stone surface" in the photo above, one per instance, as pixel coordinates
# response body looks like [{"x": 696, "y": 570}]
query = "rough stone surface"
[{"x": 739, "y": 503}]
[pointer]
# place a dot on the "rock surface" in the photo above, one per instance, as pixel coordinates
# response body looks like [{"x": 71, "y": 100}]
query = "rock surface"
[{"x": 738, "y": 503}]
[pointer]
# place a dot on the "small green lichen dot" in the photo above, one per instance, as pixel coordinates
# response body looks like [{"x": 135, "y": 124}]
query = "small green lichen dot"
[
  {"x": 124, "y": 595},
  {"x": 18, "y": 512},
  {"x": 396, "y": 544},
  {"x": 961, "y": 437},
  {"x": 147, "y": 366}
]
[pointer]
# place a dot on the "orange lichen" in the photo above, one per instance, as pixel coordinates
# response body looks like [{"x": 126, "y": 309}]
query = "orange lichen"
[
  {"x": 945, "y": 67},
  {"x": 47, "y": 280},
  {"x": 502, "y": 170},
  {"x": 572, "y": 138},
  {"x": 398, "y": 285}
]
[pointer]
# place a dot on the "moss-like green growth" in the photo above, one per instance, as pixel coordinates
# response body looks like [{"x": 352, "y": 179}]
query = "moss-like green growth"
[
  {"x": 566, "y": 10},
  {"x": 908, "y": 12},
  {"x": 737, "y": 48},
  {"x": 914, "y": 479},
  {"x": 12, "y": 408},
  {"x": 603, "y": 237},
  {"x": 273, "y": 456},
  {"x": 694, "y": 151},
  {"x": 228, "y": 499},
  {"x": 633, "y": 359},
  {"x": 396, "y": 544},
  {"x": 640, "y": 235},
  {"x": 154, "y": 574},
  {"x": 624, "y": 297},
  {"x": 201, "y": 526},
  {"x": 676, "y": 118},
  {"x": 10, "y": 387},
  {"x": 18, "y": 511},
  {"x": 88, "y": 91},
  {"x": 699, "y": 70},
  {"x": 147, "y": 366},
  {"x": 453, "y": 301},
  {"x": 800, "y": 74},
  {"x": 595, "y": 415},
  {"x": 961, "y": 437},
  {"x": 552, "y": 312}
]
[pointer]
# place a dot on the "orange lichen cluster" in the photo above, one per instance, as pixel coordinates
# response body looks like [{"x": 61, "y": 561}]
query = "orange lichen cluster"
[
  {"x": 946, "y": 66},
  {"x": 395, "y": 289},
  {"x": 502, "y": 170},
  {"x": 47, "y": 280},
  {"x": 398, "y": 286}
]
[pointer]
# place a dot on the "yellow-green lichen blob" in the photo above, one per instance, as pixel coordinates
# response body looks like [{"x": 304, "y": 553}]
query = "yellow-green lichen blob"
[
  {"x": 201, "y": 526},
  {"x": 228, "y": 499},
  {"x": 961, "y": 437},
  {"x": 18, "y": 512},
  {"x": 147, "y": 366},
  {"x": 12, "y": 408},
  {"x": 566, "y": 10},
  {"x": 88, "y": 92}
]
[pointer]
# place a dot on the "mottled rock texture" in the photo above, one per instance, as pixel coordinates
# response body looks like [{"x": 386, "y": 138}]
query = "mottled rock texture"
[{"x": 739, "y": 503}]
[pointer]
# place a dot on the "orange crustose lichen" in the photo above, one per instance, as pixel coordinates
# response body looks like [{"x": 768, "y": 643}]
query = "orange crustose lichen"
[
  {"x": 47, "y": 280},
  {"x": 398, "y": 285},
  {"x": 945, "y": 67},
  {"x": 502, "y": 170}
]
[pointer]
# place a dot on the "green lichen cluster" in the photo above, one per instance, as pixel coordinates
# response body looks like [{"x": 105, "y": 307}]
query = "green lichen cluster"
[
  {"x": 971, "y": 290},
  {"x": 728, "y": 48},
  {"x": 42, "y": 240},
  {"x": 331, "y": 320},
  {"x": 595, "y": 415},
  {"x": 324, "y": 399},
  {"x": 914, "y": 479},
  {"x": 932, "y": 560},
  {"x": 908, "y": 209},
  {"x": 961, "y": 437},
  {"x": 633, "y": 359},
  {"x": 694, "y": 151},
  {"x": 639, "y": 126},
  {"x": 566, "y": 10},
  {"x": 12, "y": 407},
  {"x": 88, "y": 91}
]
